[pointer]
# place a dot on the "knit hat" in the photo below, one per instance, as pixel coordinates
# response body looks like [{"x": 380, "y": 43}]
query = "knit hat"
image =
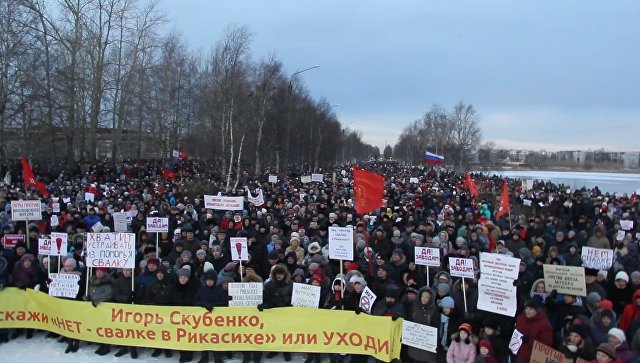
[
  {"x": 607, "y": 349},
  {"x": 485, "y": 343},
  {"x": 356, "y": 279},
  {"x": 216, "y": 248},
  {"x": 490, "y": 323},
  {"x": 208, "y": 266},
  {"x": 536, "y": 250},
  {"x": 27, "y": 256},
  {"x": 273, "y": 255},
  {"x": 622, "y": 276},
  {"x": 399, "y": 252},
  {"x": 317, "y": 259},
  {"x": 103, "y": 269},
  {"x": 201, "y": 253},
  {"x": 580, "y": 329},
  {"x": 606, "y": 313},
  {"x": 466, "y": 327},
  {"x": 298, "y": 271},
  {"x": 184, "y": 272},
  {"x": 618, "y": 333},
  {"x": 593, "y": 298},
  {"x": 392, "y": 291},
  {"x": 444, "y": 287},
  {"x": 635, "y": 275},
  {"x": 185, "y": 254},
  {"x": 590, "y": 272},
  {"x": 606, "y": 304},
  {"x": 447, "y": 302},
  {"x": 230, "y": 266},
  {"x": 413, "y": 289},
  {"x": 210, "y": 275},
  {"x": 534, "y": 303},
  {"x": 153, "y": 261}
]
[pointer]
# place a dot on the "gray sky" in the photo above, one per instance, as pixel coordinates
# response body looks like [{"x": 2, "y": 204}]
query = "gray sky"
[{"x": 541, "y": 74}]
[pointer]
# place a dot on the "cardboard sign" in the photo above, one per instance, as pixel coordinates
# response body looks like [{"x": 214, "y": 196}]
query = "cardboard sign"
[
  {"x": 239, "y": 249},
  {"x": 64, "y": 285},
  {"x": 10, "y": 240},
  {"x": 273, "y": 178},
  {"x": 461, "y": 267},
  {"x": 427, "y": 256},
  {"x": 305, "y": 296},
  {"x": 119, "y": 221},
  {"x": 218, "y": 202},
  {"x": 305, "y": 179},
  {"x": 565, "y": 279},
  {"x": 419, "y": 336},
  {"x": 544, "y": 354},
  {"x": 245, "y": 293},
  {"x": 341, "y": 243},
  {"x": 598, "y": 258},
  {"x": 516, "y": 341},
  {"x": 26, "y": 210},
  {"x": 626, "y": 225},
  {"x": 157, "y": 225},
  {"x": 496, "y": 292},
  {"x": 367, "y": 299},
  {"x": 317, "y": 178},
  {"x": 90, "y": 197},
  {"x": 116, "y": 250}
]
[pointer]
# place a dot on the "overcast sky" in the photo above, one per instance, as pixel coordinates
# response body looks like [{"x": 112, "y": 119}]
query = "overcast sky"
[{"x": 541, "y": 74}]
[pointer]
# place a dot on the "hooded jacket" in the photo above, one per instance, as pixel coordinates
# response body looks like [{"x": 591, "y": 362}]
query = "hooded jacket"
[
  {"x": 427, "y": 315},
  {"x": 277, "y": 293},
  {"x": 631, "y": 312},
  {"x": 461, "y": 351}
]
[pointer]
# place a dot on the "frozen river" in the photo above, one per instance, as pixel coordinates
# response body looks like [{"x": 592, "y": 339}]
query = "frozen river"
[{"x": 607, "y": 182}]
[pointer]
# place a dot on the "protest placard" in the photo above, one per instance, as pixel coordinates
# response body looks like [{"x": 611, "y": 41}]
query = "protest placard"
[
  {"x": 157, "y": 225},
  {"x": 10, "y": 240},
  {"x": 427, "y": 256},
  {"x": 341, "y": 243},
  {"x": 496, "y": 292},
  {"x": 59, "y": 242},
  {"x": 44, "y": 246},
  {"x": 120, "y": 221},
  {"x": 545, "y": 354},
  {"x": 90, "y": 197},
  {"x": 115, "y": 250},
  {"x": 414, "y": 180},
  {"x": 55, "y": 207},
  {"x": 419, "y": 336},
  {"x": 245, "y": 293},
  {"x": 305, "y": 179},
  {"x": 516, "y": 341},
  {"x": 273, "y": 178},
  {"x": 461, "y": 267},
  {"x": 26, "y": 210},
  {"x": 626, "y": 225},
  {"x": 305, "y": 296},
  {"x": 218, "y": 202},
  {"x": 367, "y": 299},
  {"x": 620, "y": 235},
  {"x": 597, "y": 258},
  {"x": 97, "y": 227},
  {"x": 64, "y": 285},
  {"x": 565, "y": 279},
  {"x": 239, "y": 249},
  {"x": 317, "y": 178},
  {"x": 54, "y": 221}
]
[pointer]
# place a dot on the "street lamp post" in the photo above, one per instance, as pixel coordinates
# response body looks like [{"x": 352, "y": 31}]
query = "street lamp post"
[{"x": 290, "y": 111}]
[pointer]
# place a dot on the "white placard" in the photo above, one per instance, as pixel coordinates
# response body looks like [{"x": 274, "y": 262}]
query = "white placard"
[
  {"x": 345, "y": 180},
  {"x": 273, "y": 178},
  {"x": 119, "y": 221},
  {"x": 526, "y": 202},
  {"x": 54, "y": 221},
  {"x": 414, "y": 180},
  {"x": 239, "y": 249},
  {"x": 59, "y": 244},
  {"x": 64, "y": 285},
  {"x": 305, "y": 179},
  {"x": 564, "y": 279},
  {"x": 367, "y": 299},
  {"x": 626, "y": 225},
  {"x": 55, "y": 207},
  {"x": 305, "y": 296},
  {"x": 218, "y": 202},
  {"x": 44, "y": 246},
  {"x": 496, "y": 292},
  {"x": 341, "y": 243},
  {"x": 66, "y": 200},
  {"x": 245, "y": 293},
  {"x": 157, "y": 225},
  {"x": 116, "y": 250},
  {"x": 89, "y": 197},
  {"x": 597, "y": 258},
  {"x": 516, "y": 341},
  {"x": 620, "y": 235},
  {"x": 461, "y": 267},
  {"x": 26, "y": 210},
  {"x": 427, "y": 256},
  {"x": 97, "y": 227},
  {"x": 419, "y": 336},
  {"x": 317, "y": 178}
]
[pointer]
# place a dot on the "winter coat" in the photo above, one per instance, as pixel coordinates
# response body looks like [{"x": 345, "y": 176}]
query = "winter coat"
[
  {"x": 631, "y": 312},
  {"x": 276, "y": 293},
  {"x": 535, "y": 328},
  {"x": 599, "y": 333},
  {"x": 624, "y": 354},
  {"x": 101, "y": 289},
  {"x": 427, "y": 315},
  {"x": 461, "y": 351},
  {"x": 122, "y": 289},
  {"x": 159, "y": 292},
  {"x": 23, "y": 277},
  {"x": 381, "y": 308},
  {"x": 182, "y": 295},
  {"x": 208, "y": 297}
]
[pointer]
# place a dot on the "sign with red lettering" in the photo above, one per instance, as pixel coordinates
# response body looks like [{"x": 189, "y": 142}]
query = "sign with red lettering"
[
  {"x": 218, "y": 202},
  {"x": 427, "y": 256},
  {"x": 461, "y": 267},
  {"x": 597, "y": 258}
]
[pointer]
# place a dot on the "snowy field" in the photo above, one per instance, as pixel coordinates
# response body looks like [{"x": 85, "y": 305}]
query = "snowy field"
[
  {"x": 607, "y": 182},
  {"x": 41, "y": 350}
]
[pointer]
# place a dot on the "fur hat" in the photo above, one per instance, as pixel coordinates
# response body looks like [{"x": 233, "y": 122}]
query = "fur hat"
[
  {"x": 314, "y": 247},
  {"x": 580, "y": 329}
]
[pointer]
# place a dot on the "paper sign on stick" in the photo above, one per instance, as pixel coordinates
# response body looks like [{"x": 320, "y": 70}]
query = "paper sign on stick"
[
  {"x": 305, "y": 179},
  {"x": 239, "y": 249},
  {"x": 597, "y": 258},
  {"x": 626, "y": 225},
  {"x": 516, "y": 341},
  {"x": 157, "y": 225},
  {"x": 317, "y": 178},
  {"x": 23, "y": 210},
  {"x": 89, "y": 197},
  {"x": 120, "y": 222},
  {"x": 565, "y": 279},
  {"x": 54, "y": 221},
  {"x": 116, "y": 250},
  {"x": 305, "y": 296},
  {"x": 419, "y": 336},
  {"x": 245, "y": 293},
  {"x": 544, "y": 354},
  {"x": 461, "y": 267},
  {"x": 495, "y": 287},
  {"x": 273, "y": 178},
  {"x": 44, "y": 246},
  {"x": 341, "y": 243},
  {"x": 10, "y": 240},
  {"x": 414, "y": 180},
  {"x": 59, "y": 244},
  {"x": 427, "y": 256},
  {"x": 218, "y": 202},
  {"x": 367, "y": 299}
]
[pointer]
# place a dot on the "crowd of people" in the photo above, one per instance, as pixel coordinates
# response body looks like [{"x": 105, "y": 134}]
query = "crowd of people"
[{"x": 288, "y": 242}]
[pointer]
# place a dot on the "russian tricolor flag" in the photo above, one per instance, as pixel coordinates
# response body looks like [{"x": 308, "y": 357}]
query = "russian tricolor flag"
[{"x": 433, "y": 159}]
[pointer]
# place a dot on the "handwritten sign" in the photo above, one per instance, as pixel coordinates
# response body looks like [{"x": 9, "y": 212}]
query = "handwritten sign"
[
  {"x": 273, "y": 178},
  {"x": 419, "y": 336},
  {"x": 90, "y": 197},
  {"x": 626, "y": 225},
  {"x": 305, "y": 296},
  {"x": 120, "y": 222},
  {"x": 496, "y": 292},
  {"x": 157, "y": 225},
  {"x": 461, "y": 267},
  {"x": 223, "y": 203},
  {"x": 317, "y": 178},
  {"x": 305, "y": 179},
  {"x": 427, "y": 256},
  {"x": 239, "y": 249},
  {"x": 565, "y": 279},
  {"x": 597, "y": 258},
  {"x": 245, "y": 293},
  {"x": 64, "y": 285},
  {"x": 367, "y": 299},
  {"x": 516, "y": 341},
  {"x": 341, "y": 243},
  {"x": 26, "y": 210},
  {"x": 544, "y": 354},
  {"x": 111, "y": 250}
]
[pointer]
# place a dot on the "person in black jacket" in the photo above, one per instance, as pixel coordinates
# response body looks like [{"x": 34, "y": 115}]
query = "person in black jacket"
[
  {"x": 123, "y": 294},
  {"x": 159, "y": 292},
  {"x": 277, "y": 293},
  {"x": 183, "y": 293},
  {"x": 209, "y": 295}
]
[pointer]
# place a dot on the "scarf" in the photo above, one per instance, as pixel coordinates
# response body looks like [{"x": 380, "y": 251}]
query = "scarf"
[{"x": 444, "y": 328}]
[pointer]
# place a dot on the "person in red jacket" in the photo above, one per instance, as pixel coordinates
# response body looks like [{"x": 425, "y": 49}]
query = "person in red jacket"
[
  {"x": 534, "y": 325},
  {"x": 631, "y": 312}
]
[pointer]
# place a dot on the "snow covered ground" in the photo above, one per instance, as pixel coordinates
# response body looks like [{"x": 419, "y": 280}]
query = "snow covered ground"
[
  {"x": 40, "y": 350},
  {"x": 607, "y": 182}
]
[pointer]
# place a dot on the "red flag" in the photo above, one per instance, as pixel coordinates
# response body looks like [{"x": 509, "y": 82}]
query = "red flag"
[
  {"x": 632, "y": 200},
  {"x": 470, "y": 184},
  {"x": 168, "y": 173},
  {"x": 30, "y": 179},
  {"x": 504, "y": 200},
  {"x": 367, "y": 189}
]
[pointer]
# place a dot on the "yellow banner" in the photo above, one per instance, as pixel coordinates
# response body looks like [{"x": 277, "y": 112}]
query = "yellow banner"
[{"x": 191, "y": 328}]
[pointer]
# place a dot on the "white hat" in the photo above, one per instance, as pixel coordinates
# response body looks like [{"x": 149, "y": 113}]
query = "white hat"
[
  {"x": 618, "y": 333},
  {"x": 622, "y": 276}
]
